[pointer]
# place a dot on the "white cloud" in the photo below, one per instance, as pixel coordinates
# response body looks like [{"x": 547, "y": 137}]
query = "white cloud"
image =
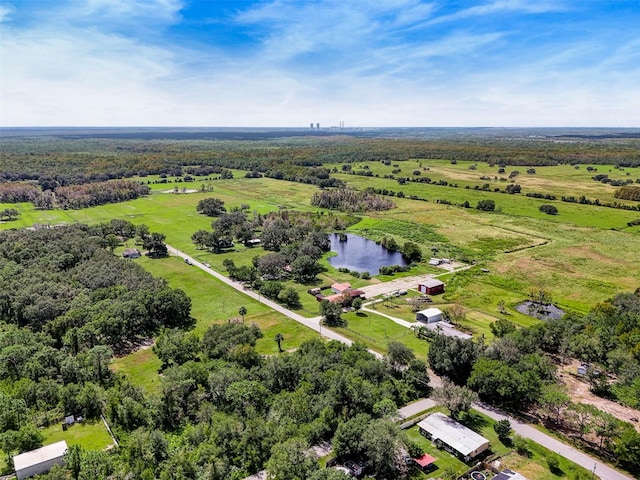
[{"x": 5, "y": 11}]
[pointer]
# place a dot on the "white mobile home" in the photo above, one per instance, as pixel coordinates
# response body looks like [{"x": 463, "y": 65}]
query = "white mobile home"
[
  {"x": 453, "y": 436},
  {"x": 40, "y": 460}
]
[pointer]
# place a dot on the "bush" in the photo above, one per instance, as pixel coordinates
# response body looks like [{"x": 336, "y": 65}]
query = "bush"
[
  {"x": 548, "y": 209},
  {"x": 553, "y": 463},
  {"x": 486, "y": 205},
  {"x": 521, "y": 445},
  {"x": 503, "y": 429}
]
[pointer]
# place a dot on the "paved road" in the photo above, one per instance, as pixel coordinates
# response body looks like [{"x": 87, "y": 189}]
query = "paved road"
[
  {"x": 312, "y": 323},
  {"x": 603, "y": 471}
]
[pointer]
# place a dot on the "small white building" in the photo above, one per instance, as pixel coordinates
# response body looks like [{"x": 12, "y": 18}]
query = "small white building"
[
  {"x": 40, "y": 460},
  {"x": 453, "y": 436},
  {"x": 430, "y": 315}
]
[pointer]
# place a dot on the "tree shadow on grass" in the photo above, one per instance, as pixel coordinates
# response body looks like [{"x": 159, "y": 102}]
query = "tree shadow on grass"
[
  {"x": 361, "y": 314},
  {"x": 474, "y": 421}
]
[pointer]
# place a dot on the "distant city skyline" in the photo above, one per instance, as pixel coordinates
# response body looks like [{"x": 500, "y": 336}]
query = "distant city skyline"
[{"x": 288, "y": 63}]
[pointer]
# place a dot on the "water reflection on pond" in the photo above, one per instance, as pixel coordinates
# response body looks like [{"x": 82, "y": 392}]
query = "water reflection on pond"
[{"x": 361, "y": 254}]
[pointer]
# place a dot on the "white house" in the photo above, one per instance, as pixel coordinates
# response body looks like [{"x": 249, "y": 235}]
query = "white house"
[
  {"x": 453, "y": 436},
  {"x": 40, "y": 460},
  {"x": 430, "y": 315}
]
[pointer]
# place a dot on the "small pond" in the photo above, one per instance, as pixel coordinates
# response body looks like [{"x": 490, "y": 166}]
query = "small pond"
[{"x": 362, "y": 255}]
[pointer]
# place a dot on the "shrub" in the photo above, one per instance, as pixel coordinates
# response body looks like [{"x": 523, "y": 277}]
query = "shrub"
[
  {"x": 548, "y": 209},
  {"x": 486, "y": 205}
]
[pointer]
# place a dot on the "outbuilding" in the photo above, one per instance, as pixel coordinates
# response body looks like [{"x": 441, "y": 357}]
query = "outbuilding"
[
  {"x": 40, "y": 460},
  {"x": 430, "y": 315},
  {"x": 453, "y": 436},
  {"x": 431, "y": 287},
  {"x": 131, "y": 253}
]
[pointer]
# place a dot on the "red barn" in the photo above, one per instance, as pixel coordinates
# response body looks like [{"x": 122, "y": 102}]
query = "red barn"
[{"x": 431, "y": 287}]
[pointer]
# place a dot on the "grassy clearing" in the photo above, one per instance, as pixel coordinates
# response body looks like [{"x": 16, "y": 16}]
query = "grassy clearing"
[
  {"x": 90, "y": 435},
  {"x": 141, "y": 368},
  {"x": 376, "y": 332}
]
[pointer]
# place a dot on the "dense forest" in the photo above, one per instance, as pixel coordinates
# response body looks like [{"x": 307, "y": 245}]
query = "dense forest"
[{"x": 83, "y": 160}]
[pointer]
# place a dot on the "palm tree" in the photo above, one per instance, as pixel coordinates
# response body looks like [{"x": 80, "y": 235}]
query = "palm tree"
[
  {"x": 243, "y": 312},
  {"x": 279, "y": 338}
]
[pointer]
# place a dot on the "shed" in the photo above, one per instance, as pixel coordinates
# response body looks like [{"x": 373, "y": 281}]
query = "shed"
[
  {"x": 425, "y": 461},
  {"x": 430, "y": 315},
  {"x": 435, "y": 262},
  {"x": 40, "y": 460},
  {"x": 131, "y": 253},
  {"x": 453, "y": 436},
  {"x": 431, "y": 287}
]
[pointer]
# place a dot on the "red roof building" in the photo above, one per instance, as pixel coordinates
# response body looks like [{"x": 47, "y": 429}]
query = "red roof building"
[{"x": 425, "y": 461}]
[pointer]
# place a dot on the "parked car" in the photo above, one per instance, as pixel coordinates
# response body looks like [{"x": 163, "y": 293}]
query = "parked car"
[{"x": 187, "y": 261}]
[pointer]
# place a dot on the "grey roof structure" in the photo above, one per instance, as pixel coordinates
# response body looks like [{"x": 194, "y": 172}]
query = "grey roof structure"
[
  {"x": 40, "y": 455},
  {"x": 454, "y": 434}
]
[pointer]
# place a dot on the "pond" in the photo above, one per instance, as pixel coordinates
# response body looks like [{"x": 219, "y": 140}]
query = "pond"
[{"x": 362, "y": 255}]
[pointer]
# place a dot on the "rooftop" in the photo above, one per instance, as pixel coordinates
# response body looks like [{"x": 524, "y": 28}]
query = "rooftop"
[
  {"x": 425, "y": 460},
  {"x": 454, "y": 434},
  {"x": 40, "y": 455},
  {"x": 430, "y": 312},
  {"x": 432, "y": 282}
]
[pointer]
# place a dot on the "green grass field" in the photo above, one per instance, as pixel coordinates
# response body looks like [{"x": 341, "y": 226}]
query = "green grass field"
[{"x": 91, "y": 435}]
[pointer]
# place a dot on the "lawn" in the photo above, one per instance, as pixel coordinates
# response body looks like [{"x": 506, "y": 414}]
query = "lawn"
[
  {"x": 377, "y": 331},
  {"x": 141, "y": 368},
  {"x": 92, "y": 435}
]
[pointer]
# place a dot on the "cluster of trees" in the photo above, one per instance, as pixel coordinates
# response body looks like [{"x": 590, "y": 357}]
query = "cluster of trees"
[
  {"x": 63, "y": 282},
  {"x": 628, "y": 193},
  {"x": 9, "y": 213},
  {"x": 212, "y": 207},
  {"x": 348, "y": 200},
  {"x": 234, "y": 225},
  {"x": 486, "y": 205},
  {"x": 93, "y": 194},
  {"x": 296, "y": 246},
  {"x": 582, "y": 200},
  {"x": 18, "y": 192},
  {"x": 75, "y": 196},
  {"x": 548, "y": 209},
  {"x": 223, "y": 411},
  {"x": 517, "y": 371}
]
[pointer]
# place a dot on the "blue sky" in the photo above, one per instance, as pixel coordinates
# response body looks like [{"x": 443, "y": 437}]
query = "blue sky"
[{"x": 289, "y": 63}]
